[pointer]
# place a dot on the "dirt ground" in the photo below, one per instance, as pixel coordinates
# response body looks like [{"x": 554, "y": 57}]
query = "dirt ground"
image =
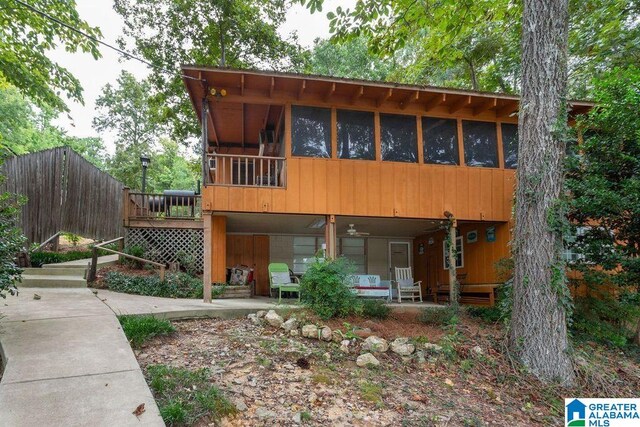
[{"x": 469, "y": 382}]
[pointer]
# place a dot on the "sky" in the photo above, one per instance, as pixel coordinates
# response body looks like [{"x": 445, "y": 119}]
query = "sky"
[{"x": 93, "y": 75}]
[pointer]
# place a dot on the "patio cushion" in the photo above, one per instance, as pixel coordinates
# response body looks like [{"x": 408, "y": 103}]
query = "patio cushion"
[
  {"x": 406, "y": 283},
  {"x": 372, "y": 287},
  {"x": 280, "y": 278}
]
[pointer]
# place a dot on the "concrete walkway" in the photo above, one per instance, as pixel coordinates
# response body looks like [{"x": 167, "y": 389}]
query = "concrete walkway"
[
  {"x": 68, "y": 363},
  {"x": 170, "y": 308}
]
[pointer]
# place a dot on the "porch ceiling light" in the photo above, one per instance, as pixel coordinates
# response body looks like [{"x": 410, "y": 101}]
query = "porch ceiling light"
[{"x": 318, "y": 223}]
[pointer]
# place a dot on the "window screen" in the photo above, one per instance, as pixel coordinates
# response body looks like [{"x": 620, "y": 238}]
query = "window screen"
[
  {"x": 480, "y": 144},
  {"x": 311, "y": 131},
  {"x": 459, "y": 253},
  {"x": 305, "y": 249},
  {"x": 399, "y": 138},
  {"x": 440, "y": 138},
  {"x": 510, "y": 145},
  {"x": 353, "y": 249},
  {"x": 355, "y": 135}
]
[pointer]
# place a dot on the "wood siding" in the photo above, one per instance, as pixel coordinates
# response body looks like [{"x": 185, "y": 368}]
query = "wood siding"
[
  {"x": 378, "y": 189},
  {"x": 252, "y": 251},
  {"x": 479, "y": 258}
]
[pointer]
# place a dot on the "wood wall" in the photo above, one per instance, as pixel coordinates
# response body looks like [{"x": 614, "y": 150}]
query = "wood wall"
[
  {"x": 252, "y": 251},
  {"x": 64, "y": 192},
  {"x": 380, "y": 189},
  {"x": 479, "y": 258}
]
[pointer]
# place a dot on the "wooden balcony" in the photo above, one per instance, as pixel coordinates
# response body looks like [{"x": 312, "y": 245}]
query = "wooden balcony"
[
  {"x": 166, "y": 210},
  {"x": 247, "y": 171}
]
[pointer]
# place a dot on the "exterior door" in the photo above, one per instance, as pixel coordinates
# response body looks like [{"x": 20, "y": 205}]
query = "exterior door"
[{"x": 398, "y": 257}]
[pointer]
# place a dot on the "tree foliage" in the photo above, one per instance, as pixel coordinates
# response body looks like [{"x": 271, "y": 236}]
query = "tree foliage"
[
  {"x": 170, "y": 33},
  {"x": 476, "y": 44},
  {"x": 11, "y": 241},
  {"x": 26, "y": 40}
]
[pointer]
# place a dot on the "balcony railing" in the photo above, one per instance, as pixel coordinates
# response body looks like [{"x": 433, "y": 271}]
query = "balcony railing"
[
  {"x": 163, "y": 206},
  {"x": 242, "y": 170}
]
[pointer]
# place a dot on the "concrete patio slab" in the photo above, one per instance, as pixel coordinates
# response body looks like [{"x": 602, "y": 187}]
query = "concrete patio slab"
[
  {"x": 170, "y": 308},
  {"x": 102, "y": 261},
  {"x": 67, "y": 362},
  {"x": 96, "y": 400}
]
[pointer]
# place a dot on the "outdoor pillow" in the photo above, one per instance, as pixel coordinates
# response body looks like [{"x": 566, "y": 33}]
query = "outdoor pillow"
[
  {"x": 280, "y": 278},
  {"x": 405, "y": 283}
]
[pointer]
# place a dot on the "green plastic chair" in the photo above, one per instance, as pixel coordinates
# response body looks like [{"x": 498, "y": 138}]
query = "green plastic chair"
[{"x": 280, "y": 279}]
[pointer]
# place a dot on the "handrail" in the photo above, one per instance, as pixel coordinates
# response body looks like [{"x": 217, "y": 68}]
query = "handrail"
[
  {"x": 43, "y": 244},
  {"x": 247, "y": 156},
  {"x": 246, "y": 170},
  {"x": 161, "y": 206},
  {"x": 100, "y": 246}
]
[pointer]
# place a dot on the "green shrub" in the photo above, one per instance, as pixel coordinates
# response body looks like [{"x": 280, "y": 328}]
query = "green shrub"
[
  {"x": 375, "y": 309},
  {"x": 325, "y": 290},
  {"x": 139, "y": 329},
  {"x": 606, "y": 319},
  {"x": 175, "y": 285},
  {"x": 74, "y": 239},
  {"x": 488, "y": 314},
  {"x": 135, "y": 250},
  {"x": 186, "y": 396},
  {"x": 441, "y": 316},
  {"x": 39, "y": 258},
  {"x": 188, "y": 262}
]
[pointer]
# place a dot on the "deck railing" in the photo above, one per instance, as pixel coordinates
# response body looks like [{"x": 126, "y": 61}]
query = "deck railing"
[
  {"x": 243, "y": 170},
  {"x": 163, "y": 206}
]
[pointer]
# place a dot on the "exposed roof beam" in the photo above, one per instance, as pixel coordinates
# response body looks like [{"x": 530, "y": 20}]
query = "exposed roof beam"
[
  {"x": 357, "y": 94},
  {"x": 385, "y": 96},
  {"x": 272, "y": 87},
  {"x": 266, "y": 117},
  {"x": 507, "y": 109},
  {"x": 413, "y": 96},
  {"x": 241, "y": 84},
  {"x": 213, "y": 126},
  {"x": 486, "y": 105},
  {"x": 436, "y": 101},
  {"x": 242, "y": 123},
  {"x": 303, "y": 86},
  {"x": 330, "y": 92},
  {"x": 460, "y": 104}
]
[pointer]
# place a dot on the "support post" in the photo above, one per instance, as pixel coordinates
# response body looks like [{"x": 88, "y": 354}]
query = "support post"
[
  {"x": 91, "y": 277},
  {"x": 219, "y": 249},
  {"x": 206, "y": 274},
  {"x": 126, "y": 203},
  {"x": 331, "y": 239},
  {"x": 453, "y": 280},
  {"x": 205, "y": 136}
]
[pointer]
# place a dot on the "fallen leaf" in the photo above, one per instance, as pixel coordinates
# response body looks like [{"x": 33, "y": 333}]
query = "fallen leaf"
[
  {"x": 448, "y": 382},
  {"x": 36, "y": 296},
  {"x": 139, "y": 410}
]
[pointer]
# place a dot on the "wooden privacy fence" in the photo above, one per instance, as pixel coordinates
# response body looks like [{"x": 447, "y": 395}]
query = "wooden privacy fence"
[{"x": 64, "y": 193}]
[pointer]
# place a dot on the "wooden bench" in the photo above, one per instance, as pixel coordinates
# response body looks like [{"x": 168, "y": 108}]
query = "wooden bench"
[{"x": 483, "y": 294}]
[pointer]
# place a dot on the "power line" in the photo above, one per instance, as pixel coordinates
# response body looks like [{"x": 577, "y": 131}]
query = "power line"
[{"x": 96, "y": 40}]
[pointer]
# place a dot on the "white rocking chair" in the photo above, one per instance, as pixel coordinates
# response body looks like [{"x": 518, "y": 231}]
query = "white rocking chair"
[{"x": 406, "y": 286}]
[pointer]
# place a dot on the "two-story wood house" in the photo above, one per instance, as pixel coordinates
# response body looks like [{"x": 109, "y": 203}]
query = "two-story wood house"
[{"x": 295, "y": 163}]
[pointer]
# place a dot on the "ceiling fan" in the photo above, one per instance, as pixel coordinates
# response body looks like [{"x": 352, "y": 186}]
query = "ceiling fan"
[{"x": 351, "y": 231}]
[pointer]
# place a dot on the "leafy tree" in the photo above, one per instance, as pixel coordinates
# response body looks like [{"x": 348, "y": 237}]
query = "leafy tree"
[
  {"x": 11, "y": 240},
  {"x": 236, "y": 33},
  {"x": 25, "y": 128},
  {"x": 124, "y": 110},
  {"x": 28, "y": 37},
  {"x": 171, "y": 170},
  {"x": 476, "y": 44},
  {"x": 604, "y": 181},
  {"x": 350, "y": 59}
]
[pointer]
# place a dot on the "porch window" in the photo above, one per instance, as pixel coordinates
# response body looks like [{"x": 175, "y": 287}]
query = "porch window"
[
  {"x": 459, "y": 253},
  {"x": 353, "y": 249},
  {"x": 355, "y": 135},
  {"x": 480, "y": 144},
  {"x": 305, "y": 249},
  {"x": 399, "y": 138},
  {"x": 311, "y": 131},
  {"x": 510, "y": 145},
  {"x": 440, "y": 138}
]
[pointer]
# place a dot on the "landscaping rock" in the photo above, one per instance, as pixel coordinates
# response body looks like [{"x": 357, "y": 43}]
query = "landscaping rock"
[
  {"x": 297, "y": 417},
  {"x": 274, "y": 319},
  {"x": 294, "y": 332},
  {"x": 477, "y": 350},
  {"x": 432, "y": 348},
  {"x": 344, "y": 346},
  {"x": 337, "y": 336},
  {"x": 290, "y": 324},
  {"x": 420, "y": 356},
  {"x": 310, "y": 331},
  {"x": 402, "y": 346},
  {"x": 239, "y": 404},
  {"x": 367, "y": 359},
  {"x": 375, "y": 344},
  {"x": 261, "y": 314},
  {"x": 254, "y": 318},
  {"x": 325, "y": 333},
  {"x": 265, "y": 413}
]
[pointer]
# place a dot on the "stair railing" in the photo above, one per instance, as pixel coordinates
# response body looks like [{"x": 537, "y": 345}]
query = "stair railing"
[{"x": 93, "y": 269}]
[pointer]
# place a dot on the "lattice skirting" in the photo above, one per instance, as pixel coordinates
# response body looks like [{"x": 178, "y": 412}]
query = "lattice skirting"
[{"x": 166, "y": 244}]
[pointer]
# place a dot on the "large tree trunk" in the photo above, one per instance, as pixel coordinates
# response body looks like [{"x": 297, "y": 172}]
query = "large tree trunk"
[{"x": 538, "y": 335}]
